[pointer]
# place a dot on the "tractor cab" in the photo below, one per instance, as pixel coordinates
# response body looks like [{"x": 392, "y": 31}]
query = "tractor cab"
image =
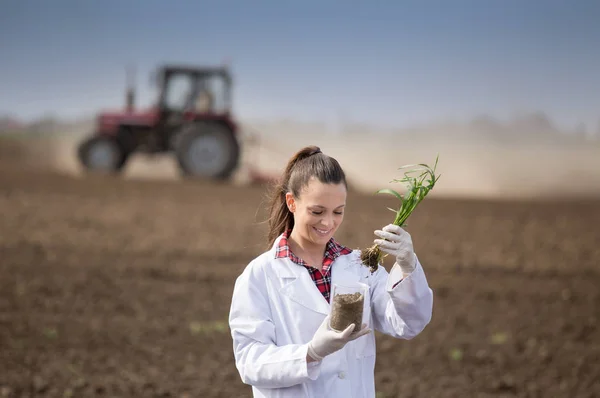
[
  {"x": 189, "y": 90},
  {"x": 187, "y": 95}
]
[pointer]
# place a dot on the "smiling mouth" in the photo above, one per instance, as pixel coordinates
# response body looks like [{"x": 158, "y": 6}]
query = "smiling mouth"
[{"x": 322, "y": 232}]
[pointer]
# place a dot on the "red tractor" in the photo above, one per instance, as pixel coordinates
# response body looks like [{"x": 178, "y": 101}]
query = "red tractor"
[{"x": 191, "y": 119}]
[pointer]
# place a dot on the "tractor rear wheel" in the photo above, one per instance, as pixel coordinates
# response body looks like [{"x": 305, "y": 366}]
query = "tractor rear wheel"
[
  {"x": 207, "y": 150},
  {"x": 100, "y": 154}
]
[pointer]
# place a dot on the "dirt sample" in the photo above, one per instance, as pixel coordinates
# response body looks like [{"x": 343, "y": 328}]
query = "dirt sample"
[
  {"x": 372, "y": 257},
  {"x": 347, "y": 309}
]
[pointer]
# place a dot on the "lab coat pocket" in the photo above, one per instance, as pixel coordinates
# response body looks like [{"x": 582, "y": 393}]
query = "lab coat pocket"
[{"x": 365, "y": 346}]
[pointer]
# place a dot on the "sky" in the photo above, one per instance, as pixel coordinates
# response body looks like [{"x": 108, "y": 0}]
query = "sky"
[{"x": 386, "y": 62}]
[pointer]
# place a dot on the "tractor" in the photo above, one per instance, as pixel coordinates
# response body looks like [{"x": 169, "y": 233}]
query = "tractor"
[{"x": 191, "y": 120}]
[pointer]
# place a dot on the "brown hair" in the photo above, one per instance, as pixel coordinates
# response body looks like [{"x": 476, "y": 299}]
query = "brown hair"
[{"x": 306, "y": 163}]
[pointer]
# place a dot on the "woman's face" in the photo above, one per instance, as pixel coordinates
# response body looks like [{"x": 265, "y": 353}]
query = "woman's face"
[{"x": 318, "y": 212}]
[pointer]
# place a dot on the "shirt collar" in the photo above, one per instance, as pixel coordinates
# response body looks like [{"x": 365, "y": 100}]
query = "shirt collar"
[{"x": 332, "y": 250}]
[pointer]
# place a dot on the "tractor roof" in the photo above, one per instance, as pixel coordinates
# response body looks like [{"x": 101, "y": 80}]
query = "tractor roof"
[{"x": 195, "y": 70}]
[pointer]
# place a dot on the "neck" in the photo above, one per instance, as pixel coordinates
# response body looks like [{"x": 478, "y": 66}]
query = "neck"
[{"x": 308, "y": 251}]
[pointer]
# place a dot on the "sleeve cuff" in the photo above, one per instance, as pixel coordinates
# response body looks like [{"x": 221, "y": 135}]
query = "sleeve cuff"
[
  {"x": 313, "y": 369},
  {"x": 396, "y": 276}
]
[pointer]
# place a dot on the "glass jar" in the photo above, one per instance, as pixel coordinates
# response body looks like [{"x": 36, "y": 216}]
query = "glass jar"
[{"x": 347, "y": 306}]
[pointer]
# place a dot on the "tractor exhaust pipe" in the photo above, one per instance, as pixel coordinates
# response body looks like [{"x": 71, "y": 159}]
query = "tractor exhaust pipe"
[{"x": 130, "y": 91}]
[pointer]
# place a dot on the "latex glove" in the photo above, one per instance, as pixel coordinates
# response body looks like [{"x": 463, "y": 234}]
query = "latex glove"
[
  {"x": 396, "y": 242},
  {"x": 327, "y": 341}
]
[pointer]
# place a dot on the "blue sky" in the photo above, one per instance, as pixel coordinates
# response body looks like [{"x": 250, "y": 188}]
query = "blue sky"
[{"x": 389, "y": 62}]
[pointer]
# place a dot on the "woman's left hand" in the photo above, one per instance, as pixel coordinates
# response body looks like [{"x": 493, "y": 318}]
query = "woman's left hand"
[{"x": 396, "y": 242}]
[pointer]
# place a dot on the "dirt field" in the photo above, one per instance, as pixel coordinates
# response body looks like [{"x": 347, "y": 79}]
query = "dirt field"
[{"x": 114, "y": 288}]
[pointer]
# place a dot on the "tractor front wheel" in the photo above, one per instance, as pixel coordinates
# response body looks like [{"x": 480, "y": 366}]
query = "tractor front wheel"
[
  {"x": 207, "y": 150},
  {"x": 100, "y": 154}
]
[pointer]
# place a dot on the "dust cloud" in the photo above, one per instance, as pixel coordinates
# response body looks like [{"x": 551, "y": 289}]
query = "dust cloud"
[{"x": 472, "y": 165}]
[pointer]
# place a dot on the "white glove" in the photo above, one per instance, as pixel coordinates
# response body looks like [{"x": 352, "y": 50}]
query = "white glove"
[
  {"x": 397, "y": 243},
  {"x": 327, "y": 341}
]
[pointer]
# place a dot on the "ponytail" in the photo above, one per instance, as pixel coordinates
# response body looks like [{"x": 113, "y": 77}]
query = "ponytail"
[{"x": 297, "y": 174}]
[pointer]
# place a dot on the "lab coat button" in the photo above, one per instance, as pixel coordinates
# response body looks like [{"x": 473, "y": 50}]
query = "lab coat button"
[{"x": 342, "y": 375}]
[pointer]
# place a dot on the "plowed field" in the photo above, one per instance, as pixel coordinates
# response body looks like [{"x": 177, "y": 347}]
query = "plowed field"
[{"x": 113, "y": 288}]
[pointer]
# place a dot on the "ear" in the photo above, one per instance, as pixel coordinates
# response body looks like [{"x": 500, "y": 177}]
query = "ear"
[{"x": 290, "y": 202}]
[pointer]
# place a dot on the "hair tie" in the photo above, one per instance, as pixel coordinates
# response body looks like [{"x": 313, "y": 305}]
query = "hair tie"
[{"x": 315, "y": 151}]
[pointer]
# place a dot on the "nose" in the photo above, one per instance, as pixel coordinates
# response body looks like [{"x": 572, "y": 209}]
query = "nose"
[{"x": 327, "y": 221}]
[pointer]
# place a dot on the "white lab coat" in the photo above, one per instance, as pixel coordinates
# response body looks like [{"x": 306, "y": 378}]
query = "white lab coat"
[{"x": 276, "y": 309}]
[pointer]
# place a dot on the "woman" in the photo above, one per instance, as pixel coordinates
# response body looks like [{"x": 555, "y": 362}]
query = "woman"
[{"x": 279, "y": 317}]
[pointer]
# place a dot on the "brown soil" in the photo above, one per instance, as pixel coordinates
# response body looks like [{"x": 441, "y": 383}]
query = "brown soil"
[
  {"x": 113, "y": 288},
  {"x": 347, "y": 309}
]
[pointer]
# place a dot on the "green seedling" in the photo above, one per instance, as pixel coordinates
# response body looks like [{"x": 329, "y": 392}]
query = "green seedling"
[{"x": 417, "y": 188}]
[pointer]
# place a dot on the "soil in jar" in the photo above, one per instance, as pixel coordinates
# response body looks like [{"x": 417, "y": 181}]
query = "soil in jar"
[{"x": 345, "y": 310}]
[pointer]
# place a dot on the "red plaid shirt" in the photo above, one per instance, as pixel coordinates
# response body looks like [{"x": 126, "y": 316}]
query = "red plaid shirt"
[{"x": 322, "y": 278}]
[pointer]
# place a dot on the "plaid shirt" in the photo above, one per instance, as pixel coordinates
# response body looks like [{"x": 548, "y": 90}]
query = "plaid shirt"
[{"x": 322, "y": 278}]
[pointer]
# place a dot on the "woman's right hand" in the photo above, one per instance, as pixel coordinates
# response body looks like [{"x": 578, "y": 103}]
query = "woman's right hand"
[{"x": 327, "y": 341}]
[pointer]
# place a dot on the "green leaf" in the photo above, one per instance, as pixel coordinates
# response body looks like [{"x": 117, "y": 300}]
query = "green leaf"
[
  {"x": 50, "y": 333},
  {"x": 197, "y": 327},
  {"x": 499, "y": 338},
  {"x": 391, "y": 192},
  {"x": 456, "y": 354},
  {"x": 417, "y": 188},
  {"x": 408, "y": 166}
]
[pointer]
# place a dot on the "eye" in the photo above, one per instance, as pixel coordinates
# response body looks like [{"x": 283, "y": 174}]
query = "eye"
[
  {"x": 317, "y": 212},
  {"x": 339, "y": 212}
]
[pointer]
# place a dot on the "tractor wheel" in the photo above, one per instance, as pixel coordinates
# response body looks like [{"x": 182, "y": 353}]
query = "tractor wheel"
[
  {"x": 207, "y": 150},
  {"x": 102, "y": 155}
]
